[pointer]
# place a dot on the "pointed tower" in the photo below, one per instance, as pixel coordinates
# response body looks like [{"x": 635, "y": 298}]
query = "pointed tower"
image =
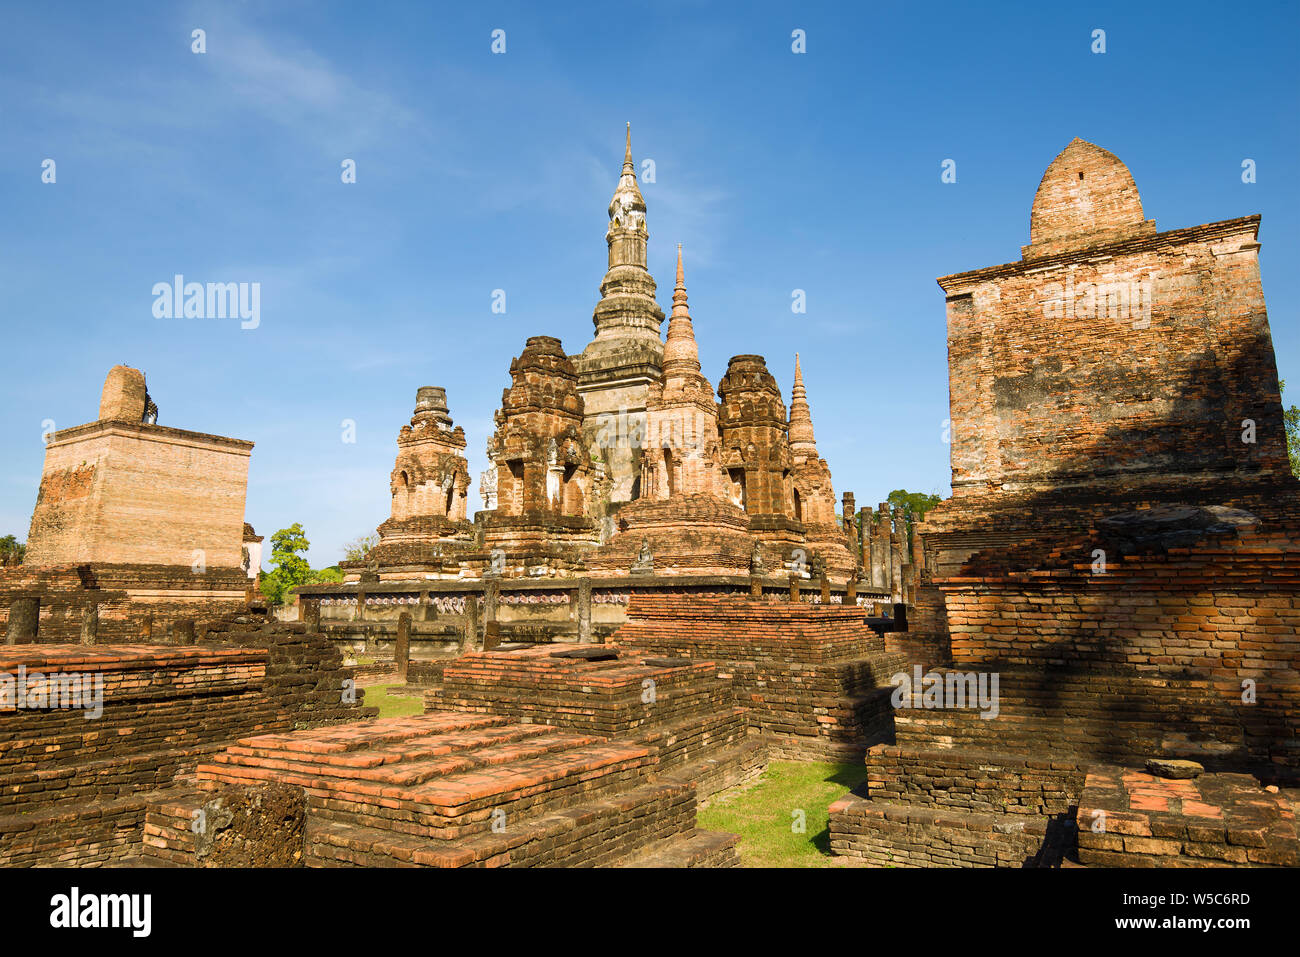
[
  {"x": 812, "y": 492},
  {"x": 681, "y": 355},
  {"x": 681, "y": 439},
  {"x": 684, "y": 513},
  {"x": 618, "y": 367},
  {"x": 802, "y": 440}
]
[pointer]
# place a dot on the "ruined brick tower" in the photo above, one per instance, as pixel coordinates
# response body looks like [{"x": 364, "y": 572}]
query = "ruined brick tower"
[
  {"x": 429, "y": 485},
  {"x": 1121, "y": 553},
  {"x": 1119, "y": 464},
  {"x": 1111, "y": 359},
  {"x": 123, "y": 489},
  {"x": 625, "y": 358},
  {"x": 756, "y": 451},
  {"x": 542, "y": 463}
]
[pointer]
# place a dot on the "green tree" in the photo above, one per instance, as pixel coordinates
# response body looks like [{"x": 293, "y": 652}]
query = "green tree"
[
  {"x": 285, "y": 546},
  {"x": 12, "y": 551},
  {"x": 327, "y": 576},
  {"x": 1291, "y": 419},
  {"x": 918, "y": 502},
  {"x": 289, "y": 567},
  {"x": 272, "y": 587}
]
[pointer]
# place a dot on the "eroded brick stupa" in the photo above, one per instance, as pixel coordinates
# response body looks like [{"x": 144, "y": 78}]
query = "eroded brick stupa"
[
  {"x": 1121, "y": 553},
  {"x": 430, "y": 487}
]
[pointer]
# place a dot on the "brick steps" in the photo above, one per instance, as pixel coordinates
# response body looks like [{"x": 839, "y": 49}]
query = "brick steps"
[
  {"x": 355, "y": 737},
  {"x": 609, "y": 697},
  {"x": 1121, "y": 718},
  {"x": 144, "y": 861},
  {"x": 683, "y": 741},
  {"x": 699, "y": 849},
  {"x": 595, "y": 833},
  {"x": 167, "y": 838},
  {"x": 741, "y": 762},
  {"x": 101, "y": 779},
  {"x": 1081, "y": 736},
  {"x": 1129, "y": 818},
  {"x": 488, "y": 765},
  {"x": 833, "y": 728},
  {"x": 419, "y": 762}
]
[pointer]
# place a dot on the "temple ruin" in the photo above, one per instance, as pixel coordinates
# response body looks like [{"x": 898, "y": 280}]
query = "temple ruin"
[
  {"x": 1085, "y": 657},
  {"x": 612, "y": 471}
]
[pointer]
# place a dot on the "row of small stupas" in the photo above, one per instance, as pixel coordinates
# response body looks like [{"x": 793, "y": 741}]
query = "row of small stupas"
[{"x": 619, "y": 459}]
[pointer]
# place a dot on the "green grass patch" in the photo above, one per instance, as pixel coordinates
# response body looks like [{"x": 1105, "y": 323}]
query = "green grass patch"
[
  {"x": 392, "y": 706},
  {"x": 764, "y": 813}
]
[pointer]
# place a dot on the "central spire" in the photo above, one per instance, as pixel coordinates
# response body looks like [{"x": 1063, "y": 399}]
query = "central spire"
[
  {"x": 627, "y": 210},
  {"x": 627, "y": 308}
]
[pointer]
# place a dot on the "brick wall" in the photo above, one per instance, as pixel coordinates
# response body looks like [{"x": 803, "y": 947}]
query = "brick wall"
[
  {"x": 741, "y": 629},
  {"x": 73, "y": 791},
  {"x": 811, "y": 677},
  {"x": 132, "y": 599}
]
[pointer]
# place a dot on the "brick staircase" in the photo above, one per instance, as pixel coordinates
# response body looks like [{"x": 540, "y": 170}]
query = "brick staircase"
[{"x": 449, "y": 789}]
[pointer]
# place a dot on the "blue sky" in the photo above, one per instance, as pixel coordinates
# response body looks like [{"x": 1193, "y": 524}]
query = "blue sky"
[{"x": 479, "y": 171}]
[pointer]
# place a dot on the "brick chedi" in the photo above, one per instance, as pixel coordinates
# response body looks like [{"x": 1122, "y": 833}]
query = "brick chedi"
[
  {"x": 756, "y": 455},
  {"x": 813, "y": 493},
  {"x": 1112, "y": 360},
  {"x": 135, "y": 525},
  {"x": 123, "y": 490},
  {"x": 1118, "y": 559},
  {"x": 683, "y": 515},
  {"x": 543, "y": 467},
  {"x": 430, "y": 487},
  {"x": 618, "y": 367}
]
